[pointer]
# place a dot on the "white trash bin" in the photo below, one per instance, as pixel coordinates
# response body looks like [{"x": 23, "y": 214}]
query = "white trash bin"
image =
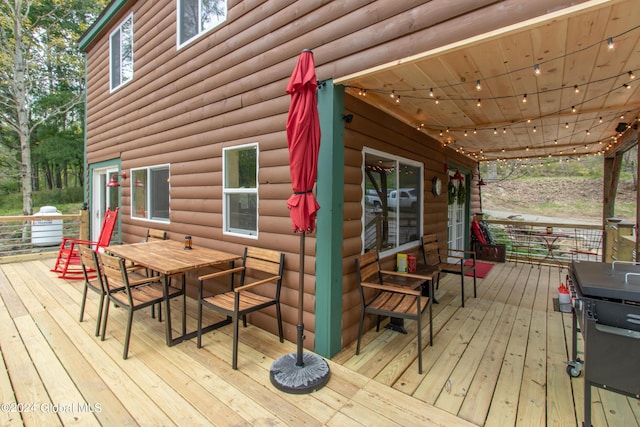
[{"x": 46, "y": 232}]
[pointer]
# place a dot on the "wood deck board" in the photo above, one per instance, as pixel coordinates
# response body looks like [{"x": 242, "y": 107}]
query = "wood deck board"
[{"x": 500, "y": 360}]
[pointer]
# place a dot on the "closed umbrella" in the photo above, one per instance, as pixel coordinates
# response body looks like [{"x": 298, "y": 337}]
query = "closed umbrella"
[{"x": 302, "y": 372}]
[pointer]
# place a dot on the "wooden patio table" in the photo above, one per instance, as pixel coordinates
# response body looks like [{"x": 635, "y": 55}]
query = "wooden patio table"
[{"x": 169, "y": 258}]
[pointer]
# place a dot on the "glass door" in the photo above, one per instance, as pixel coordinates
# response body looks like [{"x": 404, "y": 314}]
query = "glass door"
[
  {"x": 457, "y": 222},
  {"x": 103, "y": 197}
]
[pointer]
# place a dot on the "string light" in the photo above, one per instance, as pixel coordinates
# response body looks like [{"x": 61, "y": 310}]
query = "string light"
[{"x": 537, "y": 70}]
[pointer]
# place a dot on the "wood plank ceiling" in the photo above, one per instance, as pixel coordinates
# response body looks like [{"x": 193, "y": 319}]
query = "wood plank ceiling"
[{"x": 573, "y": 105}]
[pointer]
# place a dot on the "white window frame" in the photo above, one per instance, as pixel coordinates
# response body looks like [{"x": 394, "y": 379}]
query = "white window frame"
[
  {"x": 226, "y": 221},
  {"x": 148, "y": 192},
  {"x": 419, "y": 191},
  {"x": 122, "y": 37},
  {"x": 200, "y": 30}
]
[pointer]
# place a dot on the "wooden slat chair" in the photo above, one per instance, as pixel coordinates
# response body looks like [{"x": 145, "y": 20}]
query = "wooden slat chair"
[
  {"x": 92, "y": 281},
  {"x": 452, "y": 261},
  {"x": 137, "y": 292},
  {"x": 259, "y": 267},
  {"x": 391, "y": 299},
  {"x": 68, "y": 264},
  {"x": 154, "y": 234}
]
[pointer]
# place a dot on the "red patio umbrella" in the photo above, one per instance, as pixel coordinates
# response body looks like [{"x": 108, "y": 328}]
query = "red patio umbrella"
[
  {"x": 309, "y": 372},
  {"x": 303, "y": 136}
]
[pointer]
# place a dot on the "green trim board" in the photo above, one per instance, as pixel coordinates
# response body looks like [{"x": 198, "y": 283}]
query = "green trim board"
[
  {"x": 103, "y": 20},
  {"x": 330, "y": 193}
]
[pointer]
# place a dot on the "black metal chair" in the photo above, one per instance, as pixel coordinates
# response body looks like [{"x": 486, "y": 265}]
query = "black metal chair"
[
  {"x": 392, "y": 299},
  {"x": 136, "y": 292},
  {"x": 259, "y": 267},
  {"x": 92, "y": 281},
  {"x": 454, "y": 261}
]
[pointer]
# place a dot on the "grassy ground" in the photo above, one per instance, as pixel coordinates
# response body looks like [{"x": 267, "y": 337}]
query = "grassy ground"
[
  {"x": 67, "y": 201},
  {"x": 572, "y": 198}
]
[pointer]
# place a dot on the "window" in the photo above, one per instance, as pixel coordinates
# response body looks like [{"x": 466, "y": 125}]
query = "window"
[
  {"x": 392, "y": 202},
  {"x": 150, "y": 193},
  {"x": 121, "y": 54},
  {"x": 240, "y": 190},
  {"x": 196, "y": 17}
]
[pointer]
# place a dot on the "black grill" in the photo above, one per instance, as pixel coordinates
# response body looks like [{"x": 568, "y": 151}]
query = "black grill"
[{"x": 606, "y": 310}]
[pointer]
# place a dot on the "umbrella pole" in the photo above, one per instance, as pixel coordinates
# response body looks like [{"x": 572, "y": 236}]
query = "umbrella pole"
[
  {"x": 299, "y": 361},
  {"x": 300, "y": 373}
]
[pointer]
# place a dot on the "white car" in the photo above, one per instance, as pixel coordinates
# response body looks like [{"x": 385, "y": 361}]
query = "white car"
[
  {"x": 406, "y": 198},
  {"x": 371, "y": 198}
]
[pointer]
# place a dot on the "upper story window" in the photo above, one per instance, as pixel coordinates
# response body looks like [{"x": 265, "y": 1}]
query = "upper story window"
[
  {"x": 121, "y": 54},
  {"x": 240, "y": 190},
  {"x": 196, "y": 17},
  {"x": 392, "y": 202},
  {"x": 150, "y": 193}
]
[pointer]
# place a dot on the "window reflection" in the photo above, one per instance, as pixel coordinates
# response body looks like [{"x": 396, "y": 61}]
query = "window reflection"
[{"x": 392, "y": 202}]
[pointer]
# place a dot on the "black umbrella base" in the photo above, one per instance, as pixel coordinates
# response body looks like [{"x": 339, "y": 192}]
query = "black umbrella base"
[{"x": 288, "y": 377}]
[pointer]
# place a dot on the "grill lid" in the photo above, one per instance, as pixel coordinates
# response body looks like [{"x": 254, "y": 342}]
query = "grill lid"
[{"x": 605, "y": 280}]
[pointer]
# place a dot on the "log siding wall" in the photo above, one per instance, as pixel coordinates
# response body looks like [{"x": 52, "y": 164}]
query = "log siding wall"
[{"x": 228, "y": 88}]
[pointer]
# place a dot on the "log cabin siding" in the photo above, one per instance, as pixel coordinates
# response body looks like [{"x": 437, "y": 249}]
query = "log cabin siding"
[
  {"x": 227, "y": 88},
  {"x": 371, "y": 128}
]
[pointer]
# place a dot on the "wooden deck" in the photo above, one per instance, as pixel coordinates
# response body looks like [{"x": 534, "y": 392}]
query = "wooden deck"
[{"x": 498, "y": 361}]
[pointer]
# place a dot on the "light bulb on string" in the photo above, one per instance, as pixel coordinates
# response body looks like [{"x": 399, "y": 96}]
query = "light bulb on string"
[
  {"x": 576, "y": 89},
  {"x": 610, "y": 44},
  {"x": 431, "y": 92},
  {"x": 478, "y": 87},
  {"x": 631, "y": 75},
  {"x": 536, "y": 69},
  {"x": 524, "y": 98}
]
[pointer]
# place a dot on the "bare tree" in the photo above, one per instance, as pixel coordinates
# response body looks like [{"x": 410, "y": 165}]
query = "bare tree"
[{"x": 37, "y": 37}]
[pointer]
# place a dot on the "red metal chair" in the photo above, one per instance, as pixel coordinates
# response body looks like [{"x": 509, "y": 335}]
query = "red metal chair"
[{"x": 68, "y": 263}]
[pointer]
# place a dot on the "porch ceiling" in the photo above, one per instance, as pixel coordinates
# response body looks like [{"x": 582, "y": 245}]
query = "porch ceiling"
[{"x": 571, "y": 50}]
